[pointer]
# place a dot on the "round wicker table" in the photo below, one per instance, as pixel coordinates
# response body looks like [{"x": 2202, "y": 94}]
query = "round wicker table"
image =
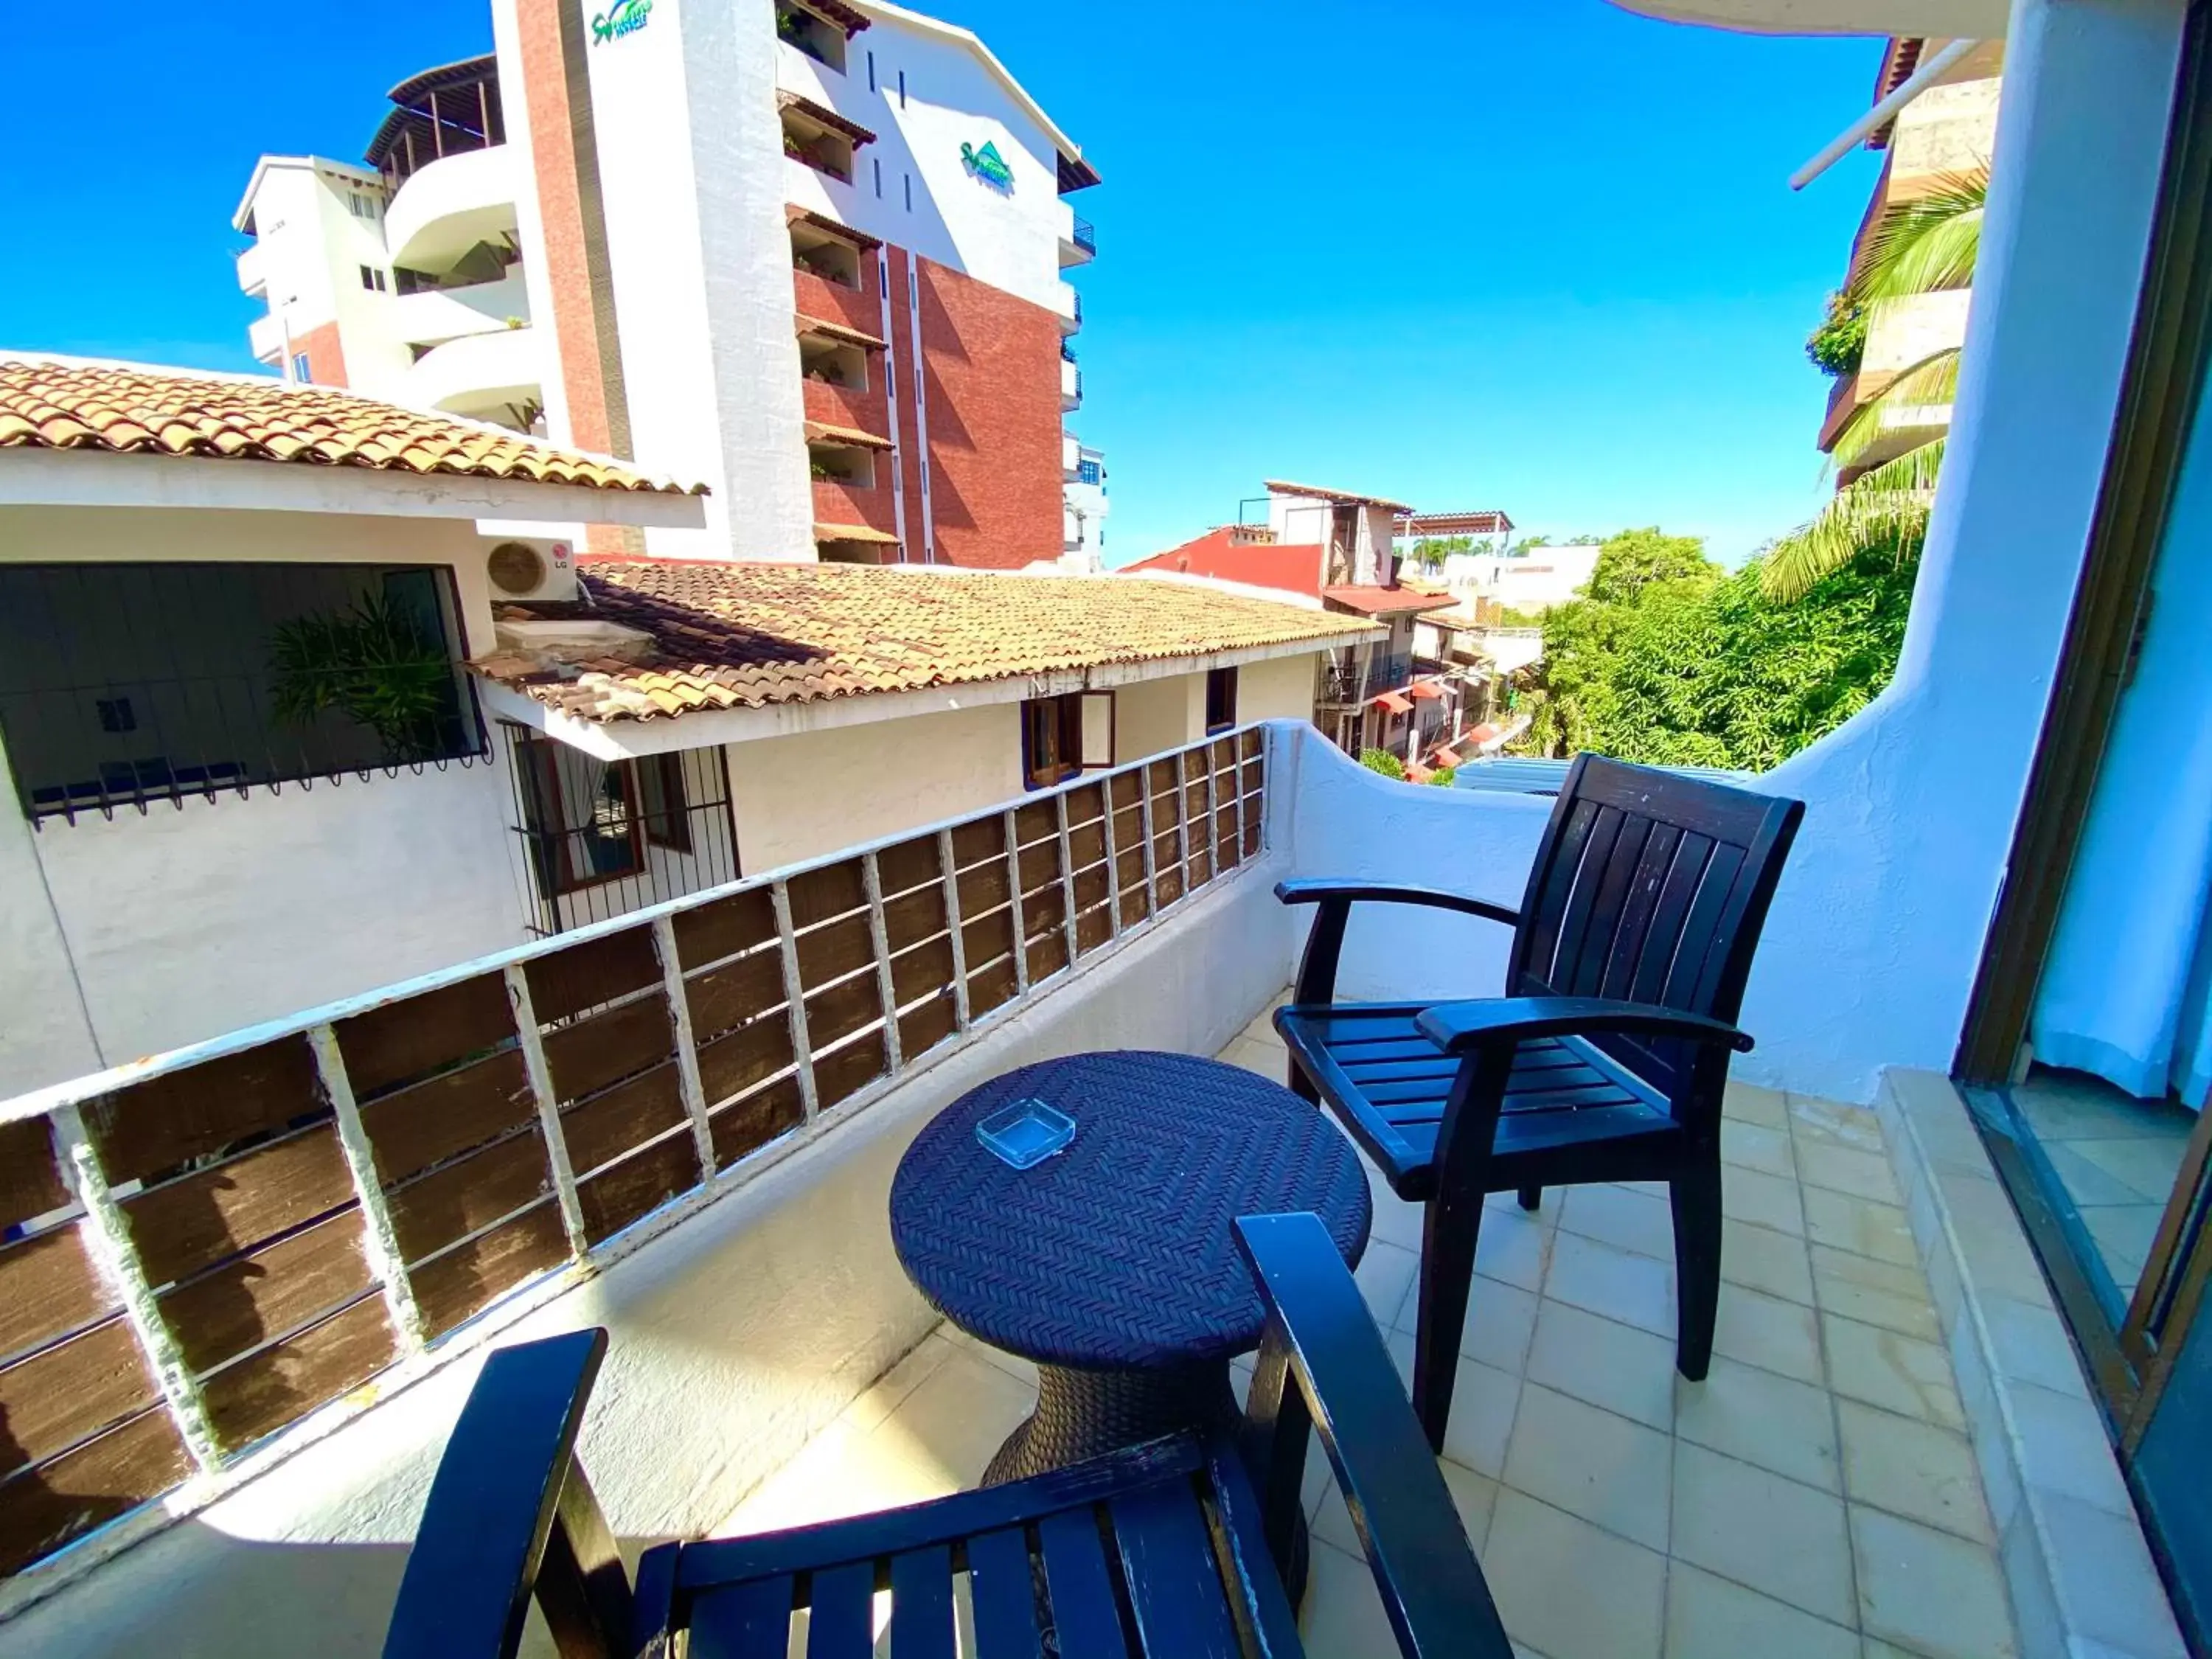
[{"x": 1113, "y": 1264}]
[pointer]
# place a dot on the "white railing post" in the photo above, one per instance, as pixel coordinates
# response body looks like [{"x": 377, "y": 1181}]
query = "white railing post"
[
  {"x": 107, "y": 1236},
  {"x": 1182, "y": 818},
  {"x": 1113, "y": 859},
  {"x": 794, "y": 996},
  {"x": 1021, "y": 926},
  {"x": 687, "y": 1051},
  {"x": 886, "y": 993},
  {"x": 532, "y": 1043},
  {"x": 379, "y": 1244},
  {"x": 1067, "y": 875},
  {"x": 1151, "y": 831},
  {"x": 951, "y": 873}
]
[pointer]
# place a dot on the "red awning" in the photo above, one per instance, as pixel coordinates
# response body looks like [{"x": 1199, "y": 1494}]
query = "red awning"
[
  {"x": 1394, "y": 703},
  {"x": 1441, "y": 755},
  {"x": 1425, "y": 689}
]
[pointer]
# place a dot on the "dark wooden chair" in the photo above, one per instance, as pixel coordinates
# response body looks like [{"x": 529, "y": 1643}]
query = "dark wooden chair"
[
  {"x": 1171, "y": 1548},
  {"x": 1604, "y": 1060}
]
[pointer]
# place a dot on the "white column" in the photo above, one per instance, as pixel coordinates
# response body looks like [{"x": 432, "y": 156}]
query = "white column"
[{"x": 1870, "y": 953}]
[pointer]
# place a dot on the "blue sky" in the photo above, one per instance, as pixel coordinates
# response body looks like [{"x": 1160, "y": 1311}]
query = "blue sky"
[{"x": 1473, "y": 254}]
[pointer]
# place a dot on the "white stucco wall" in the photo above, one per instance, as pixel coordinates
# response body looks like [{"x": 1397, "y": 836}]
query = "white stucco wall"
[
  {"x": 1281, "y": 688},
  {"x": 804, "y": 796},
  {"x": 735, "y": 1338},
  {"x": 1878, "y": 928},
  {"x": 1150, "y": 716}
]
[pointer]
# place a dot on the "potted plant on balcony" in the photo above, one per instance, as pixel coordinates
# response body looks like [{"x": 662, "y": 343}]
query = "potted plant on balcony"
[{"x": 371, "y": 662}]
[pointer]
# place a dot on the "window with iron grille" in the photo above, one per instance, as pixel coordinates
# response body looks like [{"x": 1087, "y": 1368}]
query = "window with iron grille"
[
  {"x": 125, "y": 684},
  {"x": 602, "y": 837}
]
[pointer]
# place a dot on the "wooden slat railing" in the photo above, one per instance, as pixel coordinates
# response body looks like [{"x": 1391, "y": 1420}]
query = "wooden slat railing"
[{"x": 202, "y": 1248}]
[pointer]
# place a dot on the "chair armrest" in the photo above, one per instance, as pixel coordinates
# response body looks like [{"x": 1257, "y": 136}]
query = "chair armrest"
[
  {"x": 1315, "y": 892},
  {"x": 1458, "y": 1028},
  {"x": 510, "y": 1515},
  {"x": 1317, "y": 982},
  {"x": 1321, "y": 1336}
]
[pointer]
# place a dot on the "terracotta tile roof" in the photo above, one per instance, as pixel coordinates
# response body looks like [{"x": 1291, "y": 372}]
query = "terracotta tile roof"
[
  {"x": 829, "y": 330},
  {"x": 853, "y": 532},
  {"x": 1388, "y": 601},
  {"x": 129, "y": 409},
  {"x": 795, "y": 214},
  {"x": 823, "y": 115},
  {"x": 838, "y": 13},
  {"x": 1280, "y": 487},
  {"x": 822, "y": 432},
  {"x": 714, "y": 636}
]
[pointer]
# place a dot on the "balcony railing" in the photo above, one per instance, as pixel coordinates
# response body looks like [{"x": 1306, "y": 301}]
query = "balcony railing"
[
  {"x": 210, "y": 1245},
  {"x": 1086, "y": 237}
]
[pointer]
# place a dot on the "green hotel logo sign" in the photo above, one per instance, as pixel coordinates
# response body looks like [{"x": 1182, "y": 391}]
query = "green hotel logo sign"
[
  {"x": 988, "y": 165},
  {"x": 623, "y": 17}
]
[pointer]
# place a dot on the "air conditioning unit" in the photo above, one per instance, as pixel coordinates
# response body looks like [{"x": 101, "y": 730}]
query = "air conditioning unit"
[{"x": 531, "y": 567}]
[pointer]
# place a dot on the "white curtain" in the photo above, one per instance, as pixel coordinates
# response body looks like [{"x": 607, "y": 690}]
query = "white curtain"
[{"x": 2127, "y": 993}]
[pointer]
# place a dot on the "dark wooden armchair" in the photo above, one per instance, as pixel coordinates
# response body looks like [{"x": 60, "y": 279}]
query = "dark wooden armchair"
[
  {"x": 1605, "y": 1060},
  {"x": 1170, "y": 1548}
]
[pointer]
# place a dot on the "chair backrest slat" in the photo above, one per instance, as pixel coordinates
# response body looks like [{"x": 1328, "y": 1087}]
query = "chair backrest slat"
[
  {"x": 1646, "y": 888},
  {"x": 1650, "y": 887}
]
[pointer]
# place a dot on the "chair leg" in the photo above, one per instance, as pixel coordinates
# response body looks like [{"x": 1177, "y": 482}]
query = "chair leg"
[
  {"x": 1696, "y": 1199},
  {"x": 1450, "y": 1227},
  {"x": 1531, "y": 1197},
  {"x": 1302, "y": 1086}
]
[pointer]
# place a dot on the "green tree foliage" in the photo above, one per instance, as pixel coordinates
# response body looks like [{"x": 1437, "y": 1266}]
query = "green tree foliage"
[
  {"x": 1673, "y": 661},
  {"x": 1838, "y": 344},
  {"x": 371, "y": 662},
  {"x": 1383, "y": 761}
]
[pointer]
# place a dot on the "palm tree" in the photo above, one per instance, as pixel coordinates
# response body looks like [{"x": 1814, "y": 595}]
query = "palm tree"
[{"x": 1922, "y": 247}]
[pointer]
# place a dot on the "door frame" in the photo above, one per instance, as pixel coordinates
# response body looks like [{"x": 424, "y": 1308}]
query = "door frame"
[{"x": 2165, "y": 373}]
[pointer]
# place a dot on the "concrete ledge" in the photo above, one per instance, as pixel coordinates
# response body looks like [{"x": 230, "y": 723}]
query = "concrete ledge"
[{"x": 2082, "y": 1582}]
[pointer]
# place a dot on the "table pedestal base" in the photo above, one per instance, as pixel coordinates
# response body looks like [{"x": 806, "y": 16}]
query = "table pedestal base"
[{"x": 1086, "y": 1413}]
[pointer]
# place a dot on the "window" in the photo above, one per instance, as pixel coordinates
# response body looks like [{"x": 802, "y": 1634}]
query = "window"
[
  {"x": 661, "y": 796},
  {"x": 1220, "y": 700},
  {"x": 372, "y": 278},
  {"x": 880, "y": 176},
  {"x": 872, "y": 71},
  {"x": 582, "y": 815},
  {"x": 122, "y": 683},
  {"x": 361, "y": 206},
  {"x": 902, "y": 88},
  {"x": 910, "y": 192},
  {"x": 1052, "y": 739},
  {"x": 1064, "y": 735},
  {"x": 299, "y": 371}
]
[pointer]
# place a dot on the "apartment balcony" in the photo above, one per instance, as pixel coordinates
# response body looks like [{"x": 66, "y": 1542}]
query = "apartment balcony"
[
  {"x": 450, "y": 206},
  {"x": 430, "y": 317},
  {"x": 834, "y": 300},
  {"x": 630, "y": 1125},
  {"x": 838, "y": 501},
  {"x": 265, "y": 337},
  {"x": 1070, "y": 386},
  {"x": 860, "y": 408},
  {"x": 253, "y": 271},
  {"x": 491, "y": 376},
  {"x": 1071, "y": 457},
  {"x": 1068, "y": 304},
  {"x": 1078, "y": 240}
]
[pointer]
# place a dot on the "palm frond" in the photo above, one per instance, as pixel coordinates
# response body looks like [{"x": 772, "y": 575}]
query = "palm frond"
[
  {"x": 1933, "y": 382},
  {"x": 1925, "y": 246},
  {"x": 1884, "y": 510}
]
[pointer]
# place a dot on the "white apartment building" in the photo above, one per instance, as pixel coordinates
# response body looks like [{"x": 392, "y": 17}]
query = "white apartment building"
[
  {"x": 1536, "y": 580},
  {"x": 1086, "y": 505},
  {"x": 402, "y": 278},
  {"x": 809, "y": 253}
]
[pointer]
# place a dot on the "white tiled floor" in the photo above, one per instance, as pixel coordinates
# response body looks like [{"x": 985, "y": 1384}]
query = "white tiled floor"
[{"x": 1813, "y": 1496}]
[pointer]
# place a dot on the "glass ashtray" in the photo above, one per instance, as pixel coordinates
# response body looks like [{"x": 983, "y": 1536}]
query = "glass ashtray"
[{"x": 1024, "y": 1134}]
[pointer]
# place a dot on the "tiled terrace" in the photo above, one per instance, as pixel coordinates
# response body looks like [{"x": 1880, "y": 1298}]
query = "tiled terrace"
[{"x": 1815, "y": 1497}]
